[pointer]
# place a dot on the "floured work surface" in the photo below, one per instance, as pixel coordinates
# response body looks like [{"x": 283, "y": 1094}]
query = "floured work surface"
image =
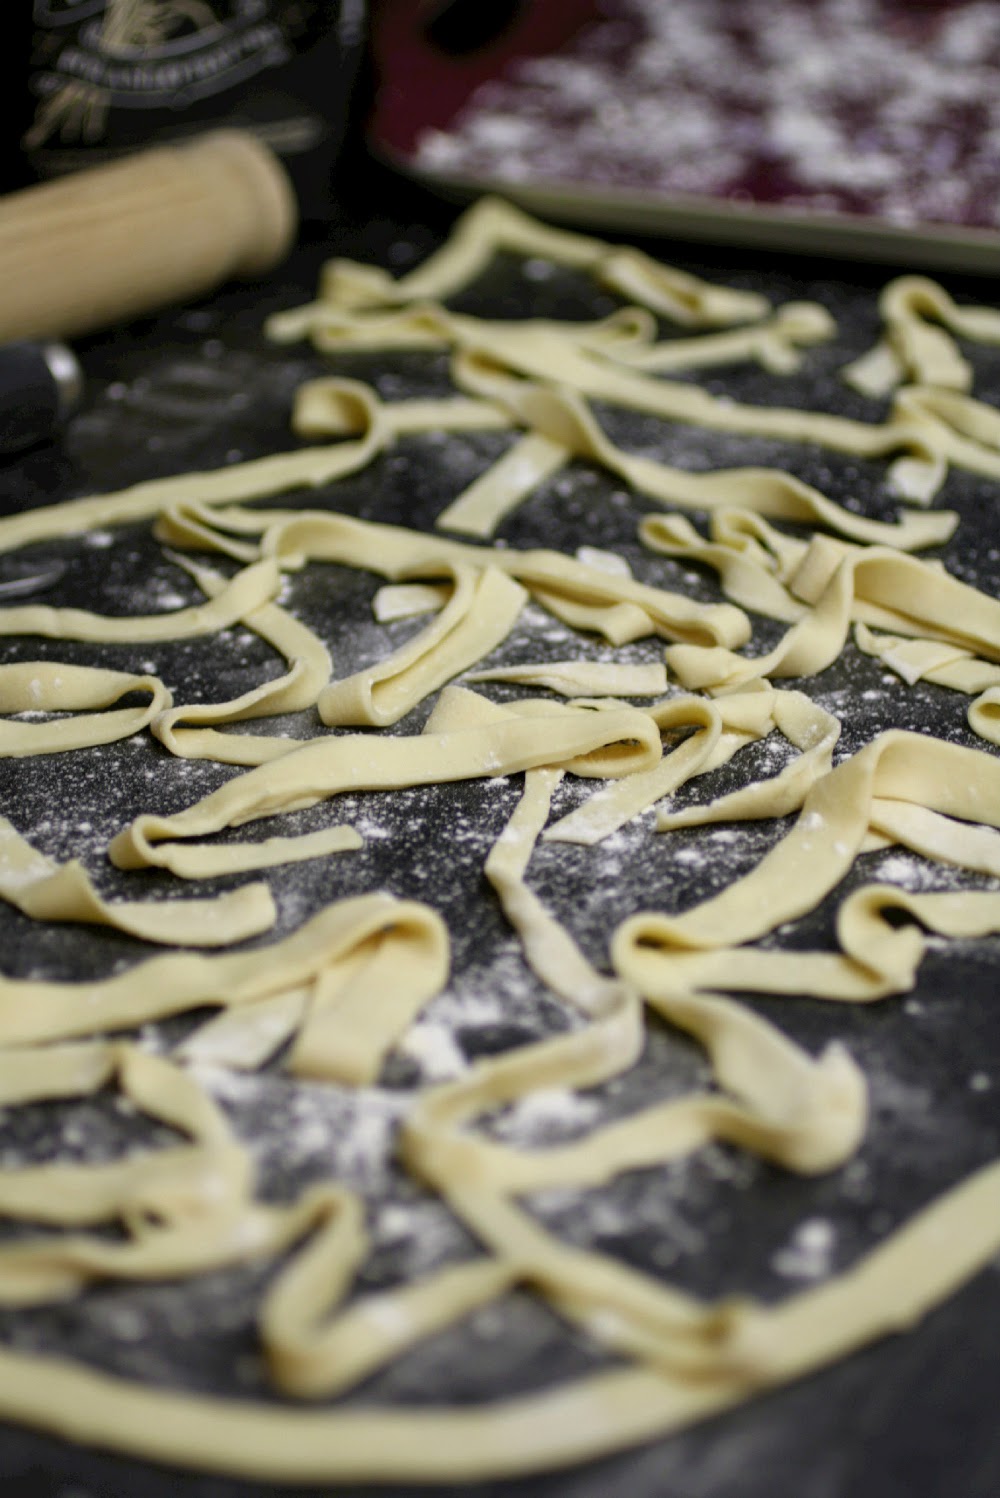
[{"x": 716, "y": 1224}]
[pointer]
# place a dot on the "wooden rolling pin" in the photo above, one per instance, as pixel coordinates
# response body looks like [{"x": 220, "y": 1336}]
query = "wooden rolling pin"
[{"x": 166, "y": 225}]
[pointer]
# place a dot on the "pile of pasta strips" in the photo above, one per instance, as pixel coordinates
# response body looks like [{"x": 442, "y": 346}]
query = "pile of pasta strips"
[{"x": 334, "y": 997}]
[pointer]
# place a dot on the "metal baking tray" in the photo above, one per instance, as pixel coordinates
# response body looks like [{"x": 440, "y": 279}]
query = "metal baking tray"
[{"x": 866, "y": 130}]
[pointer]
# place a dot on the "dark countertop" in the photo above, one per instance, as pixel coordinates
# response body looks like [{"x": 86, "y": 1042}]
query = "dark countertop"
[{"x": 915, "y": 1415}]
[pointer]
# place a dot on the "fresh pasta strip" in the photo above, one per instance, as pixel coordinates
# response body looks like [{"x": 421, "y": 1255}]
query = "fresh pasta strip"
[
  {"x": 615, "y": 804},
  {"x": 582, "y": 678},
  {"x": 890, "y": 1289},
  {"x": 49, "y": 891},
  {"x": 357, "y": 1011},
  {"x": 247, "y": 1037},
  {"x": 722, "y": 728},
  {"x": 470, "y": 1170},
  {"x": 945, "y": 664},
  {"x": 812, "y": 730},
  {"x": 807, "y": 1114},
  {"x": 782, "y": 1094},
  {"x": 212, "y": 861},
  {"x": 912, "y": 349},
  {"x": 481, "y": 612},
  {"x": 758, "y": 565},
  {"x": 220, "y": 1235},
  {"x": 878, "y": 957},
  {"x": 429, "y": 325},
  {"x": 321, "y": 410},
  {"x": 960, "y": 430},
  {"x": 558, "y": 581},
  {"x": 562, "y": 426},
  {"x": 984, "y": 715},
  {"x": 309, "y": 1355},
  {"x": 182, "y": 1207},
  {"x": 941, "y": 838},
  {"x": 180, "y": 729},
  {"x": 549, "y": 949},
  {"x": 259, "y": 478},
  {"x": 562, "y": 415},
  {"x": 774, "y": 343},
  {"x": 492, "y": 225},
  {"x": 35, "y": 1271},
  {"x": 34, "y": 1013},
  {"x": 405, "y": 600},
  {"x": 489, "y": 352},
  {"x": 480, "y": 507},
  {"x": 326, "y": 408},
  {"x": 831, "y": 579},
  {"x": 250, "y": 588},
  {"x": 625, "y": 337},
  {"x": 491, "y": 370},
  {"x": 749, "y": 572},
  {"x": 55, "y": 687},
  {"x": 588, "y": 743},
  {"x": 794, "y": 875}
]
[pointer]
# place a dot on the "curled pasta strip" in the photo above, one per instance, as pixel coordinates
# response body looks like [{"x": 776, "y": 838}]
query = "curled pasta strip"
[
  {"x": 257, "y": 478},
  {"x": 255, "y": 585},
  {"x": 891, "y": 1288},
  {"x": 626, "y": 336},
  {"x": 817, "y": 852},
  {"x": 429, "y": 325},
  {"x": 912, "y": 349},
  {"x": 310, "y": 1354},
  {"x": 833, "y": 579},
  {"x": 926, "y": 444},
  {"x": 751, "y": 558},
  {"x": 878, "y": 956},
  {"x": 984, "y": 715},
  {"x": 935, "y": 836},
  {"x": 178, "y": 1205},
  {"x": 614, "y": 604},
  {"x": 49, "y": 891},
  {"x": 945, "y": 664},
  {"x": 615, "y": 804},
  {"x": 588, "y": 743},
  {"x": 491, "y": 225},
  {"x": 549, "y": 949},
  {"x": 481, "y": 612},
  {"x": 561, "y": 426},
  {"x": 180, "y": 728},
  {"x": 758, "y": 567},
  {"x": 806, "y": 1114},
  {"x": 960, "y": 430},
  {"x": 55, "y": 687},
  {"x": 337, "y": 408},
  {"x": 582, "y": 678},
  {"x": 33, "y": 1013},
  {"x": 809, "y": 728},
  {"x": 774, "y": 343}
]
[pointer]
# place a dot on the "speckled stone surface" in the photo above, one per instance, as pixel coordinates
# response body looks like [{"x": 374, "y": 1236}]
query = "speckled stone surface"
[{"x": 192, "y": 389}]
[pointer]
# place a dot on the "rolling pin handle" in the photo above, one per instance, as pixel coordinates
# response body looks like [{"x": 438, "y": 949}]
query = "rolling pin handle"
[{"x": 163, "y": 226}]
